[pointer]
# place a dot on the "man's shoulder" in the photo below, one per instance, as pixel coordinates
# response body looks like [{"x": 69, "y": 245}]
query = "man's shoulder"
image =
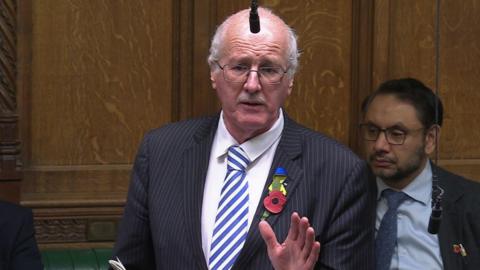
[
  {"x": 11, "y": 208},
  {"x": 12, "y": 214},
  {"x": 453, "y": 178},
  {"x": 458, "y": 184},
  {"x": 186, "y": 128},
  {"x": 317, "y": 141}
]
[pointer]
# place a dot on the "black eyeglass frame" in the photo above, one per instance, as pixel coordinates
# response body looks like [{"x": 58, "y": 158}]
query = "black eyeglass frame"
[{"x": 388, "y": 133}]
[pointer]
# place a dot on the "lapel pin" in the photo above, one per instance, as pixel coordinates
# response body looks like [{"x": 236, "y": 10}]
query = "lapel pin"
[
  {"x": 459, "y": 249},
  {"x": 277, "y": 196}
]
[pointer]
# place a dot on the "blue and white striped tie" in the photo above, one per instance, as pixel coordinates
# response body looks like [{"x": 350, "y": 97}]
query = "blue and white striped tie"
[{"x": 231, "y": 222}]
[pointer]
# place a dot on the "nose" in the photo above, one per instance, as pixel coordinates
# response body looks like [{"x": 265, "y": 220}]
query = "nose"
[
  {"x": 253, "y": 82},
  {"x": 381, "y": 144}
]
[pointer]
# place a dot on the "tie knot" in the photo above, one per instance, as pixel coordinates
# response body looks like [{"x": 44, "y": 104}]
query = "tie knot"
[
  {"x": 237, "y": 159},
  {"x": 394, "y": 198}
]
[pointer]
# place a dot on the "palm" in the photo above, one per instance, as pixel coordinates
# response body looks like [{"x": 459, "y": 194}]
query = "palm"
[{"x": 298, "y": 252}]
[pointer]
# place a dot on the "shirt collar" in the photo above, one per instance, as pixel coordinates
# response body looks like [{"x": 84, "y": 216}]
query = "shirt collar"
[
  {"x": 254, "y": 147},
  {"x": 420, "y": 189}
]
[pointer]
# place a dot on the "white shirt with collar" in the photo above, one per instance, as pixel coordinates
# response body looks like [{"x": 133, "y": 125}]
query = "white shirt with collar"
[
  {"x": 416, "y": 247},
  {"x": 260, "y": 151}
]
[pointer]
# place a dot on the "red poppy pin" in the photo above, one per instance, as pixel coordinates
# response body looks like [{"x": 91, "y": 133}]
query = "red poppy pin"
[
  {"x": 277, "y": 195},
  {"x": 459, "y": 249}
]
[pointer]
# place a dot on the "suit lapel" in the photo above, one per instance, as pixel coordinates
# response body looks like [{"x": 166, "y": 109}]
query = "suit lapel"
[
  {"x": 194, "y": 173},
  {"x": 451, "y": 225},
  {"x": 288, "y": 150}
]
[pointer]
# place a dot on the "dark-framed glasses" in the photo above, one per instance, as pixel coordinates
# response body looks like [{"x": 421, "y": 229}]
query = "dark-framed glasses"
[
  {"x": 394, "y": 135},
  {"x": 238, "y": 73}
]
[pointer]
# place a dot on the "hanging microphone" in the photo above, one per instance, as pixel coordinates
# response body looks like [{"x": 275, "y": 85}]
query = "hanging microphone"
[
  {"x": 436, "y": 216},
  {"x": 254, "y": 19},
  {"x": 437, "y": 191}
]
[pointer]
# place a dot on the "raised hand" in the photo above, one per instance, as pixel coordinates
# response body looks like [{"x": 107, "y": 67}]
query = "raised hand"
[{"x": 299, "y": 251}]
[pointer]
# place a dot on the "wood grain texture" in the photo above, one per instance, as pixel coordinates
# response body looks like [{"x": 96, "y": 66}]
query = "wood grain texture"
[
  {"x": 460, "y": 78},
  {"x": 322, "y": 89},
  {"x": 101, "y": 77},
  {"x": 361, "y": 66},
  {"x": 404, "y": 40},
  {"x": 59, "y": 186}
]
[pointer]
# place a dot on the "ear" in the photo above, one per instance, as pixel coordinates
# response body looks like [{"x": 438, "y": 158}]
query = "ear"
[
  {"x": 290, "y": 86},
  {"x": 212, "y": 79},
  {"x": 431, "y": 139}
]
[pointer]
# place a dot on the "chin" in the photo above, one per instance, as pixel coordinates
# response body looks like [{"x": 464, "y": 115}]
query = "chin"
[
  {"x": 385, "y": 174},
  {"x": 253, "y": 121}
]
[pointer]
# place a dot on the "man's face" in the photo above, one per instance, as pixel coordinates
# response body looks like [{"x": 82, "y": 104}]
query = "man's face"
[
  {"x": 251, "y": 107},
  {"x": 397, "y": 165}
]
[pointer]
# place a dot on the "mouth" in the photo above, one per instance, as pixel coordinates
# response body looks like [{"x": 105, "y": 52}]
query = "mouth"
[
  {"x": 251, "y": 104},
  {"x": 380, "y": 162}
]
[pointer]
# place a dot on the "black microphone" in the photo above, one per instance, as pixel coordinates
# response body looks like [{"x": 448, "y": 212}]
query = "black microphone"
[
  {"x": 436, "y": 215},
  {"x": 435, "y": 218},
  {"x": 254, "y": 19}
]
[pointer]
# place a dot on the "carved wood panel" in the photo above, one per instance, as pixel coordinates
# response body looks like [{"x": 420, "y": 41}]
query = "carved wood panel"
[{"x": 9, "y": 141}]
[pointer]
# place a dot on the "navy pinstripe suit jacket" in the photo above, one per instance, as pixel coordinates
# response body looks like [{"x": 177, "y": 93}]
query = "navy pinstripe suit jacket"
[{"x": 326, "y": 182}]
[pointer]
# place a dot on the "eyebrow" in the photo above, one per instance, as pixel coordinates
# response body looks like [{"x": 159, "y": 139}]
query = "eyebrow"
[
  {"x": 263, "y": 60},
  {"x": 397, "y": 125}
]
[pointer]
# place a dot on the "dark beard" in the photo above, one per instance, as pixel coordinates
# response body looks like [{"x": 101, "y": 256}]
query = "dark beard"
[{"x": 405, "y": 172}]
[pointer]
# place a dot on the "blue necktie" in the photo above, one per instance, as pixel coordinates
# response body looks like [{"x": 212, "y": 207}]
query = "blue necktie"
[
  {"x": 386, "y": 239},
  {"x": 231, "y": 222}
]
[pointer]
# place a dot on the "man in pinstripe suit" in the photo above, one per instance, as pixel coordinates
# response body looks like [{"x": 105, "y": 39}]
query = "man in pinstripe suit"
[{"x": 178, "y": 174}]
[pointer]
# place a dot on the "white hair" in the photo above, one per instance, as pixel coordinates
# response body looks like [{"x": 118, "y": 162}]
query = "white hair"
[{"x": 217, "y": 45}]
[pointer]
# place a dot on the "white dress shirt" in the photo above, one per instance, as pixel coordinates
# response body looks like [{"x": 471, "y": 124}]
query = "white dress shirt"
[
  {"x": 260, "y": 151},
  {"x": 416, "y": 247}
]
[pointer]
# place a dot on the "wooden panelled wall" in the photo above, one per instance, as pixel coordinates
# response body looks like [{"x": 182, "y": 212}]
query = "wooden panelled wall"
[{"x": 93, "y": 76}]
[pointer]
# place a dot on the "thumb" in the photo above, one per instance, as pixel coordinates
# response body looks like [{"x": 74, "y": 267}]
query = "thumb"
[{"x": 267, "y": 234}]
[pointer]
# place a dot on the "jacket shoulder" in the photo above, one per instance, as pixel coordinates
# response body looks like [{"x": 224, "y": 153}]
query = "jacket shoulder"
[
  {"x": 321, "y": 143},
  {"x": 14, "y": 212},
  {"x": 182, "y": 133}
]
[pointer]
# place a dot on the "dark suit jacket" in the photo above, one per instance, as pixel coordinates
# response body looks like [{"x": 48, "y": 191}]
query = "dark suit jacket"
[
  {"x": 18, "y": 248},
  {"x": 460, "y": 221},
  {"x": 161, "y": 227}
]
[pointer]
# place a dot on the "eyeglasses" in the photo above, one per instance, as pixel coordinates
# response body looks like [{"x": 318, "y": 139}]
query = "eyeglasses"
[
  {"x": 238, "y": 73},
  {"x": 394, "y": 135}
]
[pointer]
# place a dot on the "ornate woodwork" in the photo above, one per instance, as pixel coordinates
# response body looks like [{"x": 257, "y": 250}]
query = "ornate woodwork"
[{"x": 9, "y": 142}]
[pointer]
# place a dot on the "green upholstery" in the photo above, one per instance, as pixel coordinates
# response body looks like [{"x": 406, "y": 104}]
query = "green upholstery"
[{"x": 76, "y": 259}]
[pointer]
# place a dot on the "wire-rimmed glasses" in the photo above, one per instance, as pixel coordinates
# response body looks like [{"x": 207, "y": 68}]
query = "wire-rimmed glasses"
[{"x": 238, "y": 73}]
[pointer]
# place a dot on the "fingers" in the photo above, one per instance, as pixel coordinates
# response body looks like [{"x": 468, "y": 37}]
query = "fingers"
[
  {"x": 309, "y": 240},
  {"x": 268, "y": 235},
  {"x": 299, "y": 251},
  {"x": 302, "y": 231},
  {"x": 313, "y": 255},
  {"x": 294, "y": 227},
  {"x": 308, "y": 249}
]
